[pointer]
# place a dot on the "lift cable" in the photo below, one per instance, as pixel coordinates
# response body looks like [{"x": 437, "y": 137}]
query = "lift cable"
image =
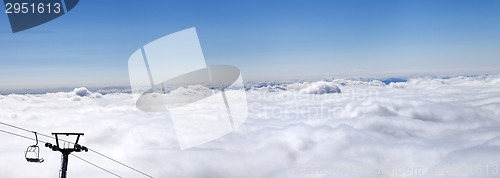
[
  {"x": 99, "y": 167},
  {"x": 92, "y": 150},
  {"x": 13, "y": 126},
  {"x": 22, "y": 136}
]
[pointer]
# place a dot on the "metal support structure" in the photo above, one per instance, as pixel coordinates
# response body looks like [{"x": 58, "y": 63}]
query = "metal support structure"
[
  {"x": 66, "y": 150},
  {"x": 64, "y": 165}
]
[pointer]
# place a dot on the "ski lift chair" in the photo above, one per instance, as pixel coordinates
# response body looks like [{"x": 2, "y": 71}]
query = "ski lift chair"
[{"x": 32, "y": 153}]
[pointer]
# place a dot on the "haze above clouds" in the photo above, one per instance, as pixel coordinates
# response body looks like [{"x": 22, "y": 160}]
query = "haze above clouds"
[{"x": 294, "y": 129}]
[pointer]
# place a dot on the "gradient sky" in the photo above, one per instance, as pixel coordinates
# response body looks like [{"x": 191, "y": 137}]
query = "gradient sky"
[{"x": 266, "y": 39}]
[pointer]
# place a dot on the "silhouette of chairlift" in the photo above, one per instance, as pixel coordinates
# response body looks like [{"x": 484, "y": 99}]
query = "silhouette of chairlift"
[{"x": 32, "y": 153}]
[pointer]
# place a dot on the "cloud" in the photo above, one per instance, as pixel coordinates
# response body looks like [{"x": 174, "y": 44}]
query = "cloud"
[
  {"x": 425, "y": 126},
  {"x": 81, "y": 91},
  {"x": 320, "y": 87}
]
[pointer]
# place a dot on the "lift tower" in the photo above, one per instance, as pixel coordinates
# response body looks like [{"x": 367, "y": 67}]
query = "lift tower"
[{"x": 66, "y": 148}]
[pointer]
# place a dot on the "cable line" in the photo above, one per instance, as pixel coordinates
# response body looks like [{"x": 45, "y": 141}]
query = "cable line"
[
  {"x": 22, "y": 136},
  {"x": 120, "y": 163},
  {"x": 92, "y": 150},
  {"x": 96, "y": 166},
  {"x": 13, "y": 126}
]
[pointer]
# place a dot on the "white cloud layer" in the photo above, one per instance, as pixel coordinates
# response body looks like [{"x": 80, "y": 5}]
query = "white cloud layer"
[{"x": 425, "y": 126}]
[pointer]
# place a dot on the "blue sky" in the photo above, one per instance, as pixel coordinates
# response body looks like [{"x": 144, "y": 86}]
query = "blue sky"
[{"x": 266, "y": 39}]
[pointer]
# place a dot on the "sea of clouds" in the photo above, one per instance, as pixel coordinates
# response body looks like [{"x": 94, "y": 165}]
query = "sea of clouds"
[{"x": 424, "y": 127}]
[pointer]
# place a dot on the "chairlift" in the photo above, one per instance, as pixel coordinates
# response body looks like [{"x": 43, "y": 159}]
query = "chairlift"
[{"x": 32, "y": 153}]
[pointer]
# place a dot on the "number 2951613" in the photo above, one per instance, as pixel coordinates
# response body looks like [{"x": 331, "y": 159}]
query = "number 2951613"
[{"x": 33, "y": 8}]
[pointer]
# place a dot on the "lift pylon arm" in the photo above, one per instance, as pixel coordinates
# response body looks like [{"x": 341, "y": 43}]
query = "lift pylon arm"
[{"x": 66, "y": 151}]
